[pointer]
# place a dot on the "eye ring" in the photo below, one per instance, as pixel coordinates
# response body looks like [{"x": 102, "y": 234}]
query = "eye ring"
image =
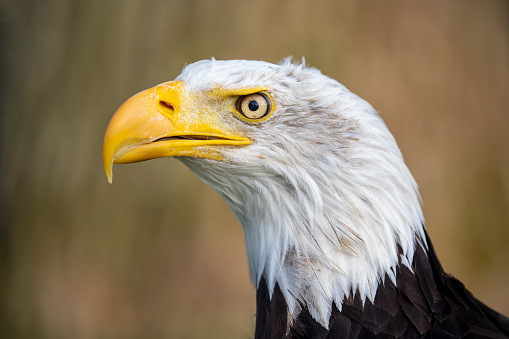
[{"x": 254, "y": 106}]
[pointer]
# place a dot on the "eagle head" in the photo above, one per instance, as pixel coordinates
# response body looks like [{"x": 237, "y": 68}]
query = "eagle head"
[{"x": 311, "y": 171}]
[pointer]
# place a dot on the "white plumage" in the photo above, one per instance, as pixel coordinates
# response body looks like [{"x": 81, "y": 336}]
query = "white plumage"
[{"x": 322, "y": 193}]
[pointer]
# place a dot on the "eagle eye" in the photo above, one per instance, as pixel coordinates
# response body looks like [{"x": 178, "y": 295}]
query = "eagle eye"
[{"x": 254, "y": 106}]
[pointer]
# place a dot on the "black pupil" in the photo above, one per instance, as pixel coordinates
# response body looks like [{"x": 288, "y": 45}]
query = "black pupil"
[{"x": 254, "y": 105}]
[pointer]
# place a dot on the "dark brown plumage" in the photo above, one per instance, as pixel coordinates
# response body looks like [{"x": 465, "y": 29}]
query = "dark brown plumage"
[{"x": 426, "y": 303}]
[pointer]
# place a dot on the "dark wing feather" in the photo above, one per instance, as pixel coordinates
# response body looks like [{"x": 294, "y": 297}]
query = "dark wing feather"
[{"x": 271, "y": 314}]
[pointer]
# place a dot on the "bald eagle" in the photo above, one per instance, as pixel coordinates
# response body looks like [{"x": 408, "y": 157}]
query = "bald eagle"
[{"x": 331, "y": 215}]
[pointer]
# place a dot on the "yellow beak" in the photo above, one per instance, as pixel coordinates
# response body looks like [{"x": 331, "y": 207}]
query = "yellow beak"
[{"x": 158, "y": 123}]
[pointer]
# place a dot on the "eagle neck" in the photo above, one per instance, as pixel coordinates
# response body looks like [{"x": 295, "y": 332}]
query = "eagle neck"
[
  {"x": 319, "y": 247},
  {"x": 320, "y": 235}
]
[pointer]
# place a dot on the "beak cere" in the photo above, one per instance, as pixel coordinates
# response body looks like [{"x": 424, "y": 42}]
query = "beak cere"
[{"x": 157, "y": 123}]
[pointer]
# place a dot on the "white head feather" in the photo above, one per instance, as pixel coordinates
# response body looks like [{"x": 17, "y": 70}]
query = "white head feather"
[{"x": 323, "y": 194}]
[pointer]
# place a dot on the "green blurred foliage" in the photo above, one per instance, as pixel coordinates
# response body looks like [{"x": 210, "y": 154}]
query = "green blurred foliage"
[{"x": 158, "y": 253}]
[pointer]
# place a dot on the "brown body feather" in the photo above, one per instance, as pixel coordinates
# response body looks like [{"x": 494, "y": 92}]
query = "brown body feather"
[{"x": 424, "y": 303}]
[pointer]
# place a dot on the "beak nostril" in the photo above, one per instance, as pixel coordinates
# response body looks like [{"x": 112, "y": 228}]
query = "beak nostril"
[{"x": 165, "y": 106}]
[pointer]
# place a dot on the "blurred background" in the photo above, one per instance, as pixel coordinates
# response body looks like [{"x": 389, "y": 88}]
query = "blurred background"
[{"x": 158, "y": 254}]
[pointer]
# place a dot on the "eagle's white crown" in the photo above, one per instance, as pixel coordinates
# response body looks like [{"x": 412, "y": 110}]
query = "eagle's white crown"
[{"x": 327, "y": 204}]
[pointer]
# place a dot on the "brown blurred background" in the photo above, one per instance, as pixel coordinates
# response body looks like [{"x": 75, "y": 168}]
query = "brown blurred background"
[{"x": 158, "y": 254}]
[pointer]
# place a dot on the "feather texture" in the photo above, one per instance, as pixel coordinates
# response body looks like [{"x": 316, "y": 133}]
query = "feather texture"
[{"x": 406, "y": 309}]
